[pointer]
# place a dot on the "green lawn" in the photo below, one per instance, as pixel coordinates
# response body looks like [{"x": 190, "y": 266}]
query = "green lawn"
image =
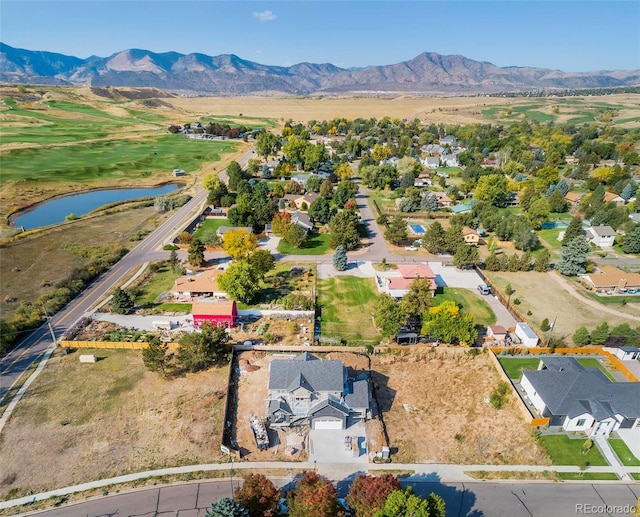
[
  {"x": 591, "y": 362},
  {"x": 623, "y": 452},
  {"x": 566, "y": 451},
  {"x": 591, "y": 476},
  {"x": 346, "y": 305},
  {"x": 468, "y": 302},
  {"x": 158, "y": 283},
  {"x": 210, "y": 224},
  {"x": 318, "y": 244},
  {"x": 513, "y": 366}
]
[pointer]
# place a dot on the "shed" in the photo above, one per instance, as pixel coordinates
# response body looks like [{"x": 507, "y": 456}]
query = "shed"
[
  {"x": 497, "y": 332},
  {"x": 219, "y": 314},
  {"x": 625, "y": 353},
  {"x": 526, "y": 334}
]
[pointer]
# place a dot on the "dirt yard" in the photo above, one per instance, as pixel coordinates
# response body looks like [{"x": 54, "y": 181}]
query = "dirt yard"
[
  {"x": 80, "y": 422},
  {"x": 434, "y": 410}
]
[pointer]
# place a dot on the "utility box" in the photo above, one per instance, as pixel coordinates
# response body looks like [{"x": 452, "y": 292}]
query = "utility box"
[{"x": 88, "y": 358}]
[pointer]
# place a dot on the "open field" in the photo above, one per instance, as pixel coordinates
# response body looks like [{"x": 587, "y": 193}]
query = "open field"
[
  {"x": 72, "y": 426},
  {"x": 32, "y": 266},
  {"x": 433, "y": 407},
  {"x": 347, "y": 304},
  {"x": 546, "y": 299}
]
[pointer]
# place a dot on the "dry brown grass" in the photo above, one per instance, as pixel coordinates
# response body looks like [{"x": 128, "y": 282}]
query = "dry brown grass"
[
  {"x": 434, "y": 410},
  {"x": 80, "y": 422}
]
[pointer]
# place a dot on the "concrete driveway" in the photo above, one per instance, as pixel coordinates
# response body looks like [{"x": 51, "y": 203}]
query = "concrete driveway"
[
  {"x": 450, "y": 276},
  {"x": 328, "y": 446}
]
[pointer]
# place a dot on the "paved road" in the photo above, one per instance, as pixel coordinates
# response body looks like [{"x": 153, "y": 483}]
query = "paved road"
[{"x": 462, "y": 499}]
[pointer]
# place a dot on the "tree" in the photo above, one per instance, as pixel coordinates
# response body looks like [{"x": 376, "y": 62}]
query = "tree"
[
  {"x": 581, "y": 337},
  {"x": 199, "y": 350},
  {"x": 262, "y": 261},
  {"x": 368, "y": 494},
  {"x": 344, "y": 230},
  {"x": 156, "y": 357},
  {"x": 433, "y": 239},
  {"x": 235, "y": 175},
  {"x": 453, "y": 239},
  {"x": 600, "y": 334},
  {"x": 418, "y": 298},
  {"x": 320, "y": 210},
  {"x": 239, "y": 244},
  {"x": 122, "y": 301},
  {"x": 557, "y": 202},
  {"x": 404, "y": 503},
  {"x": 313, "y": 183},
  {"x": 326, "y": 189},
  {"x": 545, "y": 326},
  {"x": 267, "y": 144},
  {"x": 258, "y": 495},
  {"x": 340, "y": 258},
  {"x": 227, "y": 508},
  {"x": 195, "y": 254},
  {"x": 574, "y": 257},
  {"x": 389, "y": 316},
  {"x": 173, "y": 261},
  {"x": 543, "y": 261},
  {"x": 573, "y": 230},
  {"x": 631, "y": 243},
  {"x": 492, "y": 262},
  {"x": 397, "y": 230},
  {"x": 295, "y": 235},
  {"x": 466, "y": 256},
  {"x": 241, "y": 281},
  {"x": 429, "y": 203},
  {"x": 314, "y": 496},
  {"x": 492, "y": 188},
  {"x": 280, "y": 223},
  {"x": 295, "y": 149},
  {"x": 538, "y": 212},
  {"x": 447, "y": 323}
]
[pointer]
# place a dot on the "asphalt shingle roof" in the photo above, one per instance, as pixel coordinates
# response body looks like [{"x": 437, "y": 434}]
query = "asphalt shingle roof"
[{"x": 308, "y": 371}]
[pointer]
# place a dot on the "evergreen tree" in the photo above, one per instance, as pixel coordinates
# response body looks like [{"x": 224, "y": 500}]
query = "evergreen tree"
[
  {"x": 156, "y": 357},
  {"x": 573, "y": 230},
  {"x": 525, "y": 261},
  {"x": 631, "y": 242},
  {"x": 340, "y": 258},
  {"x": 195, "y": 254},
  {"x": 397, "y": 231},
  {"x": 581, "y": 336},
  {"x": 429, "y": 203},
  {"x": 227, "y": 508},
  {"x": 295, "y": 235},
  {"x": 389, "y": 316},
  {"x": 344, "y": 230},
  {"x": 492, "y": 263},
  {"x": 600, "y": 334},
  {"x": 543, "y": 261},
  {"x": 466, "y": 256},
  {"x": 574, "y": 257},
  {"x": 122, "y": 301},
  {"x": 199, "y": 350},
  {"x": 453, "y": 239},
  {"x": 320, "y": 210},
  {"x": 433, "y": 239},
  {"x": 545, "y": 326}
]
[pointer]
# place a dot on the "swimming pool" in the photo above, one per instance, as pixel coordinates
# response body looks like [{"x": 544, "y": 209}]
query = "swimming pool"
[{"x": 418, "y": 229}]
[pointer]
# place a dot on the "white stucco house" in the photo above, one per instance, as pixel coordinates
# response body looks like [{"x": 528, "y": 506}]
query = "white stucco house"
[
  {"x": 576, "y": 398},
  {"x": 602, "y": 236}
]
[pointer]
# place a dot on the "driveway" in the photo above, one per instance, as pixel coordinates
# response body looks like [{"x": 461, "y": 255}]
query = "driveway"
[
  {"x": 633, "y": 367},
  {"x": 182, "y": 322},
  {"x": 328, "y": 446},
  {"x": 354, "y": 268}
]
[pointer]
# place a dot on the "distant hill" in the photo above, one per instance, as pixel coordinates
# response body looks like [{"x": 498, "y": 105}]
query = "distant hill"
[{"x": 229, "y": 74}]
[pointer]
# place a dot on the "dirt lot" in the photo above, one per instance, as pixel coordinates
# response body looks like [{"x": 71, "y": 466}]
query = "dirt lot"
[
  {"x": 75, "y": 426},
  {"x": 434, "y": 410}
]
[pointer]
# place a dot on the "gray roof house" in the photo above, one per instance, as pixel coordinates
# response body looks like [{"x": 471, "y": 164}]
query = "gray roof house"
[
  {"x": 302, "y": 220},
  {"x": 602, "y": 236},
  {"x": 581, "y": 399},
  {"x": 306, "y": 390}
]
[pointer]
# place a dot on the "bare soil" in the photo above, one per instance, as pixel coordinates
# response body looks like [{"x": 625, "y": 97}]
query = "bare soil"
[
  {"x": 433, "y": 406},
  {"x": 80, "y": 422}
]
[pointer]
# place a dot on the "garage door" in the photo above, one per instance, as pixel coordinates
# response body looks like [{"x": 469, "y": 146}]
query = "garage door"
[{"x": 327, "y": 424}]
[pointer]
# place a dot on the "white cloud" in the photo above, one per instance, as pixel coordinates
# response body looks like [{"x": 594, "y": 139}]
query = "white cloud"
[{"x": 265, "y": 16}]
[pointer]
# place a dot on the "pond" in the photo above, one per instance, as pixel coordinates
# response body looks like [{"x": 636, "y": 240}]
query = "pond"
[{"x": 56, "y": 210}]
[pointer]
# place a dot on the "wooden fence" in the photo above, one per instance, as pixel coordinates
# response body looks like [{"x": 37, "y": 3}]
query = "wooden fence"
[{"x": 127, "y": 345}]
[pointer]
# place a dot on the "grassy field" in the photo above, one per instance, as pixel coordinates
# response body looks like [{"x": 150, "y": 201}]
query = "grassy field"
[
  {"x": 470, "y": 303},
  {"x": 317, "y": 244},
  {"x": 346, "y": 307},
  {"x": 546, "y": 299},
  {"x": 210, "y": 224},
  {"x": 566, "y": 451},
  {"x": 623, "y": 452},
  {"x": 133, "y": 421},
  {"x": 513, "y": 366}
]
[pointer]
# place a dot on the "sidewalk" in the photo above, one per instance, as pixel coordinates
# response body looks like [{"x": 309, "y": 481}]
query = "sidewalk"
[{"x": 611, "y": 457}]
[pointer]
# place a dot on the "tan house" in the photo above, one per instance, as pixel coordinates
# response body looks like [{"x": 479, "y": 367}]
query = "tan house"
[
  {"x": 573, "y": 198},
  {"x": 200, "y": 285},
  {"x": 611, "y": 279},
  {"x": 444, "y": 201},
  {"x": 471, "y": 237},
  {"x": 307, "y": 199},
  {"x": 615, "y": 198}
]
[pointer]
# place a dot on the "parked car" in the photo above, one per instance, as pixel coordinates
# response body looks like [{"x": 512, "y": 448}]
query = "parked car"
[{"x": 484, "y": 289}]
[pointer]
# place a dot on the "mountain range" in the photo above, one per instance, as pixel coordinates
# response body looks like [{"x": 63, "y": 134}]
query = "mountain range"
[{"x": 228, "y": 74}]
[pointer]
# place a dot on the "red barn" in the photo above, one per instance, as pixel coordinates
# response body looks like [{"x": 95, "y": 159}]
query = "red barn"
[{"x": 219, "y": 314}]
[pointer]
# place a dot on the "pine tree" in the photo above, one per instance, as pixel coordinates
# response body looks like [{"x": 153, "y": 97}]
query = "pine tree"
[
  {"x": 433, "y": 239},
  {"x": 631, "y": 242},
  {"x": 429, "y": 203},
  {"x": 574, "y": 257},
  {"x": 543, "y": 261},
  {"x": 492, "y": 262},
  {"x": 544, "y": 326},
  {"x": 156, "y": 358},
  {"x": 340, "y": 258},
  {"x": 227, "y": 508},
  {"x": 573, "y": 230},
  {"x": 122, "y": 301},
  {"x": 466, "y": 256},
  {"x": 581, "y": 336},
  {"x": 397, "y": 231},
  {"x": 195, "y": 255},
  {"x": 600, "y": 334}
]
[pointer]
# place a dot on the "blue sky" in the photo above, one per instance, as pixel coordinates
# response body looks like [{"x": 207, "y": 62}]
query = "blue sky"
[{"x": 580, "y": 35}]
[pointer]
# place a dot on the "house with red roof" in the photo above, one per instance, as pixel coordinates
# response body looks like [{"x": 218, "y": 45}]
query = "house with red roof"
[{"x": 397, "y": 286}]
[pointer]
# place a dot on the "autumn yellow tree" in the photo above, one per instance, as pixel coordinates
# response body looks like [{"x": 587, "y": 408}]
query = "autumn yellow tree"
[
  {"x": 344, "y": 171},
  {"x": 239, "y": 244}
]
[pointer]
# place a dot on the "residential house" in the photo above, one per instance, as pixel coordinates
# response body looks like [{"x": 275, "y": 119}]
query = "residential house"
[
  {"x": 611, "y": 279},
  {"x": 300, "y": 179},
  {"x": 449, "y": 140},
  {"x": 397, "y": 286},
  {"x": 602, "y": 236},
  {"x": 316, "y": 392},
  {"x": 471, "y": 236},
  {"x": 432, "y": 149},
  {"x": 576, "y": 398},
  {"x": 218, "y": 313},
  {"x": 225, "y": 229},
  {"x": 305, "y": 199},
  {"x": 202, "y": 284},
  {"x": 421, "y": 182},
  {"x": 302, "y": 220},
  {"x": 573, "y": 198},
  {"x": 569, "y": 159},
  {"x": 431, "y": 162},
  {"x": 444, "y": 201},
  {"x": 449, "y": 160},
  {"x": 513, "y": 199},
  {"x": 615, "y": 198}
]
